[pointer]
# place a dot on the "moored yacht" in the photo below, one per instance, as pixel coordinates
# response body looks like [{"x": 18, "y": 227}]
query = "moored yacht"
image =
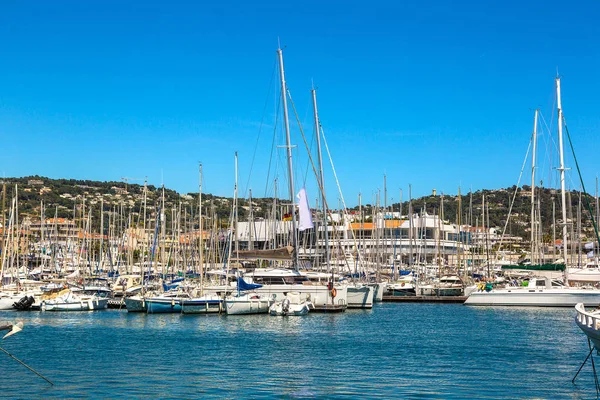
[
  {"x": 539, "y": 292},
  {"x": 276, "y": 282}
]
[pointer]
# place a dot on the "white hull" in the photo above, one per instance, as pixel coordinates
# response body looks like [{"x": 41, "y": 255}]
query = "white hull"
[
  {"x": 360, "y": 296},
  {"x": 378, "y": 289},
  {"x": 279, "y": 309},
  {"x": 589, "y": 323},
  {"x": 83, "y": 305},
  {"x": 567, "y": 297},
  {"x": 7, "y": 299},
  {"x": 247, "y": 304},
  {"x": 318, "y": 295},
  {"x": 69, "y": 301}
]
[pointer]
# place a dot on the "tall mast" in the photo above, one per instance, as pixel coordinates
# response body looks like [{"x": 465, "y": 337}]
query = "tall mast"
[
  {"x": 321, "y": 180},
  {"x": 533, "y": 253},
  {"x": 250, "y": 223},
  {"x": 562, "y": 169},
  {"x": 410, "y": 228},
  {"x": 235, "y": 210},
  {"x": 289, "y": 155},
  {"x": 201, "y": 245},
  {"x": 459, "y": 241}
]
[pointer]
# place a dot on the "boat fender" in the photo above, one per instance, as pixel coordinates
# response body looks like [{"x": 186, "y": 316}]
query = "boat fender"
[
  {"x": 172, "y": 302},
  {"x": 333, "y": 292}
]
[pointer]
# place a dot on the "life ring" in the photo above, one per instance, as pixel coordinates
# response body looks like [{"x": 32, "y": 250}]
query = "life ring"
[
  {"x": 402, "y": 284},
  {"x": 333, "y": 292}
]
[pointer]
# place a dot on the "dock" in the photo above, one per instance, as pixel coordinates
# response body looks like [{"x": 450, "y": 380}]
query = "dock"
[
  {"x": 328, "y": 308},
  {"x": 425, "y": 299}
]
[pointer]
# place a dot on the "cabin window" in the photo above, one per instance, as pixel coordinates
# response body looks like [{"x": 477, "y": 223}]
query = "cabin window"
[{"x": 540, "y": 283}]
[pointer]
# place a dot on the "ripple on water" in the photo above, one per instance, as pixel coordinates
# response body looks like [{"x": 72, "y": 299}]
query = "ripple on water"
[{"x": 392, "y": 351}]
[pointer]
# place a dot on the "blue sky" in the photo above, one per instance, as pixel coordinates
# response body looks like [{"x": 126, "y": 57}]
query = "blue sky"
[{"x": 434, "y": 94}]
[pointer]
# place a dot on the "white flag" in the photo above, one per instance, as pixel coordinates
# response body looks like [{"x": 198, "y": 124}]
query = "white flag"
[{"x": 306, "y": 221}]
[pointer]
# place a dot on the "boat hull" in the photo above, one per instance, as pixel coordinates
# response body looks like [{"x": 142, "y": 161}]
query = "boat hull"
[
  {"x": 319, "y": 295},
  {"x": 293, "y": 310},
  {"x": 535, "y": 297},
  {"x": 247, "y": 305},
  {"x": 135, "y": 304},
  {"x": 201, "y": 306},
  {"x": 378, "y": 289},
  {"x": 360, "y": 296},
  {"x": 589, "y": 323},
  {"x": 83, "y": 305},
  {"x": 158, "y": 305}
]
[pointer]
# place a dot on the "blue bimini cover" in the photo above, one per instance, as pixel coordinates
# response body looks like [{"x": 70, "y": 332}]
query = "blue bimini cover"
[{"x": 243, "y": 285}]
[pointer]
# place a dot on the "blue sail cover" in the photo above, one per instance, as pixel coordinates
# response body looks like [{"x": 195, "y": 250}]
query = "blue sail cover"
[{"x": 243, "y": 285}]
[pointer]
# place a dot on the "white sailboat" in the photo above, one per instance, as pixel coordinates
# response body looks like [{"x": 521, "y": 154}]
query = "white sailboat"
[
  {"x": 67, "y": 300},
  {"x": 540, "y": 292},
  {"x": 278, "y": 282},
  {"x": 543, "y": 292},
  {"x": 247, "y": 300}
]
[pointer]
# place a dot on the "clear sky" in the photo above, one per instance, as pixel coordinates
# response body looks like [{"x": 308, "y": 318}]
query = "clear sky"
[{"x": 435, "y": 94}]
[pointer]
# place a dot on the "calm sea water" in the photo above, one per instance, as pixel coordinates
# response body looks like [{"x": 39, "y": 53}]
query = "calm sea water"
[{"x": 393, "y": 351}]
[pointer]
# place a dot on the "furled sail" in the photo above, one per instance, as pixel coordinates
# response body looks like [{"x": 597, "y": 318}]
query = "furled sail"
[{"x": 282, "y": 253}]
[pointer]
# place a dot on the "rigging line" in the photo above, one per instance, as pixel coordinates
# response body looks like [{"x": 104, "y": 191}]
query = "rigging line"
[
  {"x": 261, "y": 125},
  {"x": 304, "y": 139},
  {"x": 552, "y": 142},
  {"x": 337, "y": 182},
  {"x": 587, "y": 203},
  {"x": 512, "y": 203},
  {"x": 310, "y": 159},
  {"x": 273, "y": 144}
]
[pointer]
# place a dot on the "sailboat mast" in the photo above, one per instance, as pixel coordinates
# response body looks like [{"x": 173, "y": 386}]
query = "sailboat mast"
[
  {"x": 201, "y": 244},
  {"x": 235, "y": 210},
  {"x": 289, "y": 155},
  {"x": 321, "y": 179},
  {"x": 533, "y": 253},
  {"x": 562, "y": 169}
]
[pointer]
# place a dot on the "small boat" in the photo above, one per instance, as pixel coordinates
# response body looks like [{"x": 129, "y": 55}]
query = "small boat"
[
  {"x": 12, "y": 300},
  {"x": 67, "y": 300},
  {"x": 291, "y": 305},
  {"x": 247, "y": 302},
  {"x": 448, "y": 285}
]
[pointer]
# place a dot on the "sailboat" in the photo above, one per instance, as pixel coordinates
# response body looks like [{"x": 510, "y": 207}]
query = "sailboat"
[
  {"x": 541, "y": 291},
  {"x": 247, "y": 301},
  {"x": 278, "y": 282},
  {"x": 68, "y": 300}
]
